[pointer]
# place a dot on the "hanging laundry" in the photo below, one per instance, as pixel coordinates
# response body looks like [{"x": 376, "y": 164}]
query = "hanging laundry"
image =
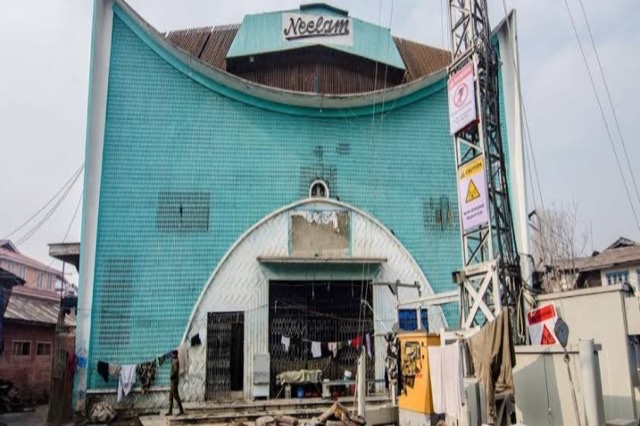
[
  {"x": 195, "y": 340},
  {"x": 316, "y": 349},
  {"x": 367, "y": 339},
  {"x": 493, "y": 359},
  {"x": 103, "y": 370},
  {"x": 447, "y": 387},
  {"x": 333, "y": 348},
  {"x": 165, "y": 357},
  {"x": 348, "y": 343},
  {"x": 183, "y": 358},
  {"x": 286, "y": 342},
  {"x": 114, "y": 370},
  {"x": 357, "y": 342},
  {"x": 127, "y": 379},
  {"x": 147, "y": 373}
]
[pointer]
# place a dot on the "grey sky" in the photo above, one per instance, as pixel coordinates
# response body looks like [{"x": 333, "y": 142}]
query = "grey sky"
[{"x": 44, "y": 51}]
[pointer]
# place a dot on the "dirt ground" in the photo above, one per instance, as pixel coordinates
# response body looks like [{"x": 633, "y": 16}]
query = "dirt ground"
[{"x": 36, "y": 417}]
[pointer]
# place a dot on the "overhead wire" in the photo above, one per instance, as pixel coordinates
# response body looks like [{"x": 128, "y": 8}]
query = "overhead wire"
[
  {"x": 55, "y": 196},
  {"x": 25, "y": 237},
  {"x": 602, "y": 113},
  {"x": 608, "y": 92}
]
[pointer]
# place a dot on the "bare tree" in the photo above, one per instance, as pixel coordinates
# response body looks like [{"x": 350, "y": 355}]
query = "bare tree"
[{"x": 558, "y": 241}]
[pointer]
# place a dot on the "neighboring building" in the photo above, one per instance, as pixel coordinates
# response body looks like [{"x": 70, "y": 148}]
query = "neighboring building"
[
  {"x": 617, "y": 264},
  {"x": 252, "y": 182},
  {"x": 29, "y": 330},
  {"x": 29, "y": 323},
  {"x": 38, "y": 277}
]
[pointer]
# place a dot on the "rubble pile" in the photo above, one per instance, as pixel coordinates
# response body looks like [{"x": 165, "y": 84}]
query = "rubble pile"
[{"x": 337, "y": 415}]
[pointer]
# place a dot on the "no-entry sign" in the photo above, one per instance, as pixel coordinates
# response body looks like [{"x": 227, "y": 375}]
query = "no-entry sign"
[{"x": 462, "y": 99}]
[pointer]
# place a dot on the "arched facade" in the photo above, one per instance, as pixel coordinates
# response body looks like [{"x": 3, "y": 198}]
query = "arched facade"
[{"x": 262, "y": 254}]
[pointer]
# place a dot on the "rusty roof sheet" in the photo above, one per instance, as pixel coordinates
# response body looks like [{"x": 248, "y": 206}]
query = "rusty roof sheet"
[
  {"x": 421, "y": 60},
  {"x": 30, "y": 309},
  {"x": 211, "y": 44}
]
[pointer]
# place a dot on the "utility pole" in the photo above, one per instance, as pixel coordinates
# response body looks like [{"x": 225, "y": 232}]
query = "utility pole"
[{"x": 490, "y": 278}]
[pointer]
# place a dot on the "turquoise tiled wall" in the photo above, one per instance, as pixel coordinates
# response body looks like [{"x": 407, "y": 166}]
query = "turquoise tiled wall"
[{"x": 167, "y": 133}]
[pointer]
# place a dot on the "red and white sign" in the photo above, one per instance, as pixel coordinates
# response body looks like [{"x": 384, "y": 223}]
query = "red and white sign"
[
  {"x": 462, "y": 99},
  {"x": 540, "y": 323}
]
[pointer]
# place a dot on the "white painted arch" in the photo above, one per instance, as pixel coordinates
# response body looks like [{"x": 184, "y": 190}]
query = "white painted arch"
[{"x": 241, "y": 283}]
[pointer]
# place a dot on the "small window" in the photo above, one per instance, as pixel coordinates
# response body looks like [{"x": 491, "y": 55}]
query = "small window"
[
  {"x": 618, "y": 277},
  {"x": 21, "y": 272},
  {"x": 43, "y": 349},
  {"x": 40, "y": 279},
  {"x": 319, "y": 189},
  {"x": 21, "y": 348},
  {"x": 49, "y": 282},
  {"x": 10, "y": 266}
]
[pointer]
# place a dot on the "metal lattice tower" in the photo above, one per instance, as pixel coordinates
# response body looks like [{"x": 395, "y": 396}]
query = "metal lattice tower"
[{"x": 491, "y": 277}]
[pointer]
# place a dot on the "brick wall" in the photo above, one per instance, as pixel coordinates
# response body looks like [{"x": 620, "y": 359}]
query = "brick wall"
[{"x": 30, "y": 374}]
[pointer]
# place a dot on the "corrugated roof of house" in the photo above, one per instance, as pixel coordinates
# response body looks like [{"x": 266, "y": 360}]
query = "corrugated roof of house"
[
  {"x": 24, "y": 308},
  {"x": 607, "y": 259}
]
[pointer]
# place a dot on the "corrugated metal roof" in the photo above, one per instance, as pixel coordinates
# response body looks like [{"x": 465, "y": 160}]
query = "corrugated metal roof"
[
  {"x": 337, "y": 75},
  {"x": 421, "y": 60},
  {"x": 607, "y": 259},
  {"x": 35, "y": 310},
  {"x": 262, "y": 33}
]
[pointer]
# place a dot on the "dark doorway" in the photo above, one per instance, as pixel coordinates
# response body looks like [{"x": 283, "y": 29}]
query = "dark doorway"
[
  {"x": 329, "y": 311},
  {"x": 225, "y": 355}
]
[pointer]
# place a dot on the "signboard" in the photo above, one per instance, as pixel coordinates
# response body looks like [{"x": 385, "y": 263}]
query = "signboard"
[
  {"x": 462, "y": 99},
  {"x": 541, "y": 323},
  {"x": 472, "y": 194},
  {"x": 317, "y": 29}
]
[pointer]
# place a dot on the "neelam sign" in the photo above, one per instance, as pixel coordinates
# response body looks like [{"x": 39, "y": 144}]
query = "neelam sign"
[{"x": 317, "y": 29}]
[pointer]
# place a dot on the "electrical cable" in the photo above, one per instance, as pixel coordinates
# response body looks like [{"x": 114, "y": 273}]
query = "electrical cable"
[
  {"x": 606, "y": 125},
  {"x": 613, "y": 110},
  {"x": 47, "y": 203},
  {"x": 48, "y": 215}
]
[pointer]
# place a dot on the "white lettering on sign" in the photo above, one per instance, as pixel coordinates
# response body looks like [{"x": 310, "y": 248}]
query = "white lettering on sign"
[
  {"x": 317, "y": 29},
  {"x": 462, "y": 99}
]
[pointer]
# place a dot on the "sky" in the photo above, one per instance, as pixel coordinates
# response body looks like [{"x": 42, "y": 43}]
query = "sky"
[{"x": 45, "y": 48}]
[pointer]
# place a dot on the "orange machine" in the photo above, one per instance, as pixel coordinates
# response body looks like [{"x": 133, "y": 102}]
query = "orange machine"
[{"x": 414, "y": 369}]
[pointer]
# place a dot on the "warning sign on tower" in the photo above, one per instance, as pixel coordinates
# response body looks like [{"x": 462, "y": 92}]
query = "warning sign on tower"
[
  {"x": 472, "y": 194},
  {"x": 462, "y": 100}
]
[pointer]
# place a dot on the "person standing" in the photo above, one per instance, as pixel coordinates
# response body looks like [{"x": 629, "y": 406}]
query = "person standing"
[{"x": 175, "y": 380}]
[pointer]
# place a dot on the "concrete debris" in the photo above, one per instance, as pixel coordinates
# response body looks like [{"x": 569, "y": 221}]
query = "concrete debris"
[{"x": 337, "y": 415}]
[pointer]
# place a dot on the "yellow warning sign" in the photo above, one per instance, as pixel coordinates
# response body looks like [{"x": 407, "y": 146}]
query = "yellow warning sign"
[{"x": 472, "y": 192}]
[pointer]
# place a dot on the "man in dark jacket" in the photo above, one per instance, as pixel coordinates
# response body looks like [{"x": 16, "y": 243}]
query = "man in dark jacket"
[{"x": 175, "y": 379}]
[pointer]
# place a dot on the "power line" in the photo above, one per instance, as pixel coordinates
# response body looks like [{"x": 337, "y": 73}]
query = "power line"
[
  {"x": 613, "y": 110},
  {"x": 73, "y": 218},
  {"x": 48, "y": 215},
  {"x": 79, "y": 170},
  {"x": 606, "y": 125}
]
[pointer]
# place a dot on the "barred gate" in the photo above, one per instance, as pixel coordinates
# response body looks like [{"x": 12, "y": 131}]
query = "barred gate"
[
  {"x": 225, "y": 355},
  {"x": 317, "y": 311}
]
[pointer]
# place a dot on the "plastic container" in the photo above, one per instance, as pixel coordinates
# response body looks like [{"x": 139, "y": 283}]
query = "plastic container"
[{"x": 300, "y": 392}]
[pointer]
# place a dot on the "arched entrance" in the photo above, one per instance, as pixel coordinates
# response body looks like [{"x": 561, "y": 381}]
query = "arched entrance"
[{"x": 312, "y": 241}]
